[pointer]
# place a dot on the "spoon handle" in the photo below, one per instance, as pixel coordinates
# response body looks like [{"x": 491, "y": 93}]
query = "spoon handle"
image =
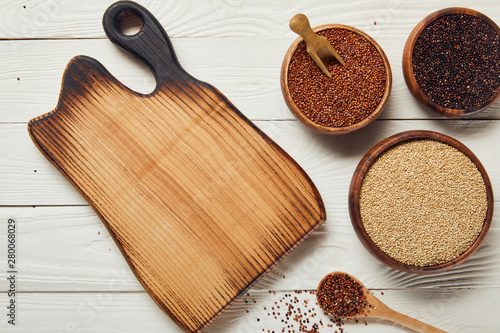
[
  {"x": 412, "y": 323},
  {"x": 300, "y": 25},
  {"x": 380, "y": 310}
]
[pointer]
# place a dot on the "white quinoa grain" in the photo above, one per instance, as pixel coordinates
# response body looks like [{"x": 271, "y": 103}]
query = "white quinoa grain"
[{"x": 423, "y": 202}]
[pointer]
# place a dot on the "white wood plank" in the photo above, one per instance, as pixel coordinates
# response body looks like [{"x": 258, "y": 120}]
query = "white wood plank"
[
  {"x": 87, "y": 312},
  {"x": 21, "y": 165},
  {"x": 453, "y": 310},
  {"x": 223, "y": 18},
  {"x": 68, "y": 249},
  {"x": 437, "y": 307},
  {"x": 30, "y": 77},
  {"x": 330, "y": 161},
  {"x": 246, "y": 76},
  {"x": 72, "y": 277}
]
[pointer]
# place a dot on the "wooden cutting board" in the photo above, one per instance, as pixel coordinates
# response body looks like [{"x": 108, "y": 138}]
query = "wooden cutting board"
[{"x": 200, "y": 201}]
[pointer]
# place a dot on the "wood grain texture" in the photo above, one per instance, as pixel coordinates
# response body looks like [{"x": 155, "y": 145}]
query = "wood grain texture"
[
  {"x": 330, "y": 161},
  {"x": 224, "y": 18},
  {"x": 200, "y": 201},
  {"x": 248, "y": 75},
  {"x": 135, "y": 312},
  {"x": 72, "y": 275},
  {"x": 68, "y": 249}
]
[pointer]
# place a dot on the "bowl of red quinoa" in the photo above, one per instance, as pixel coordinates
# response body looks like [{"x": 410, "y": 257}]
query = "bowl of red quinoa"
[
  {"x": 451, "y": 61},
  {"x": 420, "y": 202},
  {"x": 353, "y": 97}
]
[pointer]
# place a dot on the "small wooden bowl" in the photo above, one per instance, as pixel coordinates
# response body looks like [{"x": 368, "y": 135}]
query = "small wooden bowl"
[
  {"x": 409, "y": 74},
  {"x": 325, "y": 129},
  {"x": 355, "y": 188}
]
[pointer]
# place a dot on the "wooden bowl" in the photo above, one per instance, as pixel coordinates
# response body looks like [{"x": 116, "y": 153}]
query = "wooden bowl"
[
  {"x": 355, "y": 188},
  {"x": 325, "y": 129},
  {"x": 409, "y": 74}
]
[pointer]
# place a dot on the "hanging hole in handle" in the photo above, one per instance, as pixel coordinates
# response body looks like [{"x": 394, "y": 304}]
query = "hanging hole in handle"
[{"x": 130, "y": 24}]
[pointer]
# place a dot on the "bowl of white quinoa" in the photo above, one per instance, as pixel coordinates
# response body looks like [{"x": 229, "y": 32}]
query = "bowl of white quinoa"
[{"x": 421, "y": 202}]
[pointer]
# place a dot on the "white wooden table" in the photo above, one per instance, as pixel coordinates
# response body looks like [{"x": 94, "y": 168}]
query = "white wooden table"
[{"x": 70, "y": 275}]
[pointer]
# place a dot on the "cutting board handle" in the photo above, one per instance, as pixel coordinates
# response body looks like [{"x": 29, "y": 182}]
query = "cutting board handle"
[{"x": 151, "y": 44}]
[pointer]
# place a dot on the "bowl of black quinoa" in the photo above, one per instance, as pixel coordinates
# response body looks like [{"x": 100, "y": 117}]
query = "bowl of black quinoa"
[{"x": 451, "y": 61}]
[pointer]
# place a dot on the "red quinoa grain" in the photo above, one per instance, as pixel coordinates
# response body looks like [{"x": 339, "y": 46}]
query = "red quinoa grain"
[
  {"x": 300, "y": 315},
  {"x": 352, "y": 93},
  {"x": 341, "y": 296}
]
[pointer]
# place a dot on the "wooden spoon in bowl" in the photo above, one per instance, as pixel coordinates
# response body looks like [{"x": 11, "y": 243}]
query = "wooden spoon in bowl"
[
  {"x": 318, "y": 47},
  {"x": 342, "y": 295}
]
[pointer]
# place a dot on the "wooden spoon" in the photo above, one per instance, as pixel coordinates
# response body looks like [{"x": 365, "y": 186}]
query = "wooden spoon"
[
  {"x": 318, "y": 47},
  {"x": 352, "y": 291}
]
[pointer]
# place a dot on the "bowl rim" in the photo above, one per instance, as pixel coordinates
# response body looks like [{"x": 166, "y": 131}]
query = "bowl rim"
[
  {"x": 407, "y": 63},
  {"x": 326, "y": 129},
  {"x": 355, "y": 188}
]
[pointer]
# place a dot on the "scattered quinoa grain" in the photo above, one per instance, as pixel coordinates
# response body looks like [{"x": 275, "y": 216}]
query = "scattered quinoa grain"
[{"x": 299, "y": 315}]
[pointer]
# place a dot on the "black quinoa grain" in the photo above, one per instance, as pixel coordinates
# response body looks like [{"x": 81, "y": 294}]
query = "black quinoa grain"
[{"x": 456, "y": 62}]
